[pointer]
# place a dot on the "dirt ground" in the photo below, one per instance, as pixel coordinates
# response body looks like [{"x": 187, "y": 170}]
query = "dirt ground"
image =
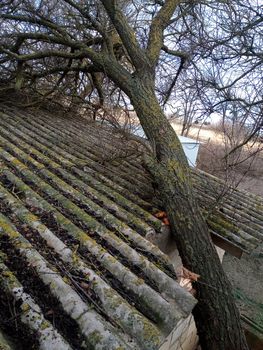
[
  {"x": 252, "y": 184},
  {"x": 246, "y": 277}
]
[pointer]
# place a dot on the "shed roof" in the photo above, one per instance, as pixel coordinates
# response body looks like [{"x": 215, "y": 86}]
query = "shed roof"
[
  {"x": 76, "y": 207},
  {"x": 74, "y": 264},
  {"x": 188, "y": 140},
  {"x": 235, "y": 217}
]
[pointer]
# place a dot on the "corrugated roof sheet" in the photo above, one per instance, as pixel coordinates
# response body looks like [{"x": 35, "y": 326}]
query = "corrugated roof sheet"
[
  {"x": 76, "y": 205},
  {"x": 75, "y": 269},
  {"x": 233, "y": 216}
]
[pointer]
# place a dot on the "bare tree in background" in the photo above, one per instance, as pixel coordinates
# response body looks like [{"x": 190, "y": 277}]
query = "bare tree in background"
[
  {"x": 145, "y": 48},
  {"x": 188, "y": 114}
]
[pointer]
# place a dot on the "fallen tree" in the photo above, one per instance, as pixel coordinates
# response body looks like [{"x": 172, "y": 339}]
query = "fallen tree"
[{"x": 90, "y": 49}]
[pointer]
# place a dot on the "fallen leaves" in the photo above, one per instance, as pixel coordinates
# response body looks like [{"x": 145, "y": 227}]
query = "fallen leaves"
[
  {"x": 160, "y": 214},
  {"x": 186, "y": 277},
  {"x": 185, "y": 273},
  {"x": 85, "y": 286},
  {"x": 163, "y": 216}
]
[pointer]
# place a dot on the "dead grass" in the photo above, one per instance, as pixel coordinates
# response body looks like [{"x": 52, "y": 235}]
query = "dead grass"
[{"x": 243, "y": 169}]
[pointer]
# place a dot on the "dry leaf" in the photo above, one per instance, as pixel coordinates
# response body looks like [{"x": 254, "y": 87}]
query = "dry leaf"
[
  {"x": 85, "y": 286},
  {"x": 161, "y": 214},
  {"x": 185, "y": 273},
  {"x": 166, "y": 221}
]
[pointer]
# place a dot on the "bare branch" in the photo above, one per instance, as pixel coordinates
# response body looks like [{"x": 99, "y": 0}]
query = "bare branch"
[
  {"x": 175, "y": 53},
  {"x": 126, "y": 33},
  {"x": 158, "y": 25},
  {"x": 43, "y": 54}
]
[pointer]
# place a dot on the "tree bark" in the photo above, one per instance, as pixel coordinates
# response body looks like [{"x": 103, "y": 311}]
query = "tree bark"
[{"x": 216, "y": 315}]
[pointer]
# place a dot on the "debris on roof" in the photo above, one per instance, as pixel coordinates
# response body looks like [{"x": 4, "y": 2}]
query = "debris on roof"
[{"x": 75, "y": 268}]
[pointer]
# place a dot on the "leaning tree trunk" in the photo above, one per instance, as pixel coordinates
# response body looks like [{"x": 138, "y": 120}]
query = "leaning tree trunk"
[{"x": 216, "y": 315}]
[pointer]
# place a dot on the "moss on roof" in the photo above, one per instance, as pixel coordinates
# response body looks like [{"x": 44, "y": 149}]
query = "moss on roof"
[
  {"x": 74, "y": 227},
  {"x": 76, "y": 207}
]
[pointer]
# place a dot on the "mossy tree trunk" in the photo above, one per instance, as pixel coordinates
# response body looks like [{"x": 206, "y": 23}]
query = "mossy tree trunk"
[{"x": 216, "y": 315}]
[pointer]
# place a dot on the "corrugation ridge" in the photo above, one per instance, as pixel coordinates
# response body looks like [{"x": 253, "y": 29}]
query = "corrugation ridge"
[
  {"x": 228, "y": 206},
  {"x": 121, "y": 212},
  {"x": 248, "y": 198},
  {"x": 232, "y": 216},
  {"x": 108, "y": 133},
  {"x": 95, "y": 330},
  {"x": 236, "y": 210},
  {"x": 44, "y": 139},
  {"x": 166, "y": 313},
  {"x": 69, "y": 165},
  {"x": 113, "y": 139},
  {"x": 164, "y": 283},
  {"x": 144, "y": 245},
  {"x": 30, "y": 313},
  {"x": 232, "y": 196},
  {"x": 111, "y": 302},
  {"x": 79, "y": 150},
  {"x": 91, "y": 144}
]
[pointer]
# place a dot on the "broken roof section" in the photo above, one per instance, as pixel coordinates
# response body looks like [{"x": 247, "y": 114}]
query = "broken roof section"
[{"x": 75, "y": 268}]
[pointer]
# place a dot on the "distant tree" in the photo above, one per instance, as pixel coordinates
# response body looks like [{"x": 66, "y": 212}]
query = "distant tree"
[{"x": 148, "y": 52}]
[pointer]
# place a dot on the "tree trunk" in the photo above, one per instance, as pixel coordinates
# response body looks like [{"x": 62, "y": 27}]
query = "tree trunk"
[{"x": 216, "y": 315}]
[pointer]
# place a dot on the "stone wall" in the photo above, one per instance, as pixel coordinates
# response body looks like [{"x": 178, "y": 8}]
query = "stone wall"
[{"x": 183, "y": 337}]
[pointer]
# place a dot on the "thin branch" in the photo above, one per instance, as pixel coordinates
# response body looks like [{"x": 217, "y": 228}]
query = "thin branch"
[
  {"x": 169, "y": 91},
  {"x": 176, "y": 53},
  {"x": 34, "y": 20},
  {"x": 43, "y": 54},
  {"x": 57, "y": 69},
  {"x": 245, "y": 141}
]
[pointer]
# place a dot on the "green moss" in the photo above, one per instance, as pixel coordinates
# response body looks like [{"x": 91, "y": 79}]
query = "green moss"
[
  {"x": 66, "y": 279},
  {"x": 9, "y": 279},
  {"x": 152, "y": 335},
  {"x": 6, "y": 228},
  {"x": 25, "y": 307},
  {"x": 95, "y": 338},
  {"x": 44, "y": 325},
  {"x": 217, "y": 228},
  {"x": 139, "y": 282}
]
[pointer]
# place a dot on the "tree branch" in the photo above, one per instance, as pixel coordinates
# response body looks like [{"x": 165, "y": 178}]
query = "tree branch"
[
  {"x": 43, "y": 54},
  {"x": 42, "y": 22},
  {"x": 126, "y": 33},
  {"x": 54, "y": 39},
  {"x": 169, "y": 91},
  {"x": 176, "y": 53},
  {"x": 159, "y": 23},
  {"x": 81, "y": 68},
  {"x": 42, "y": 37},
  {"x": 245, "y": 141},
  {"x": 95, "y": 24}
]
